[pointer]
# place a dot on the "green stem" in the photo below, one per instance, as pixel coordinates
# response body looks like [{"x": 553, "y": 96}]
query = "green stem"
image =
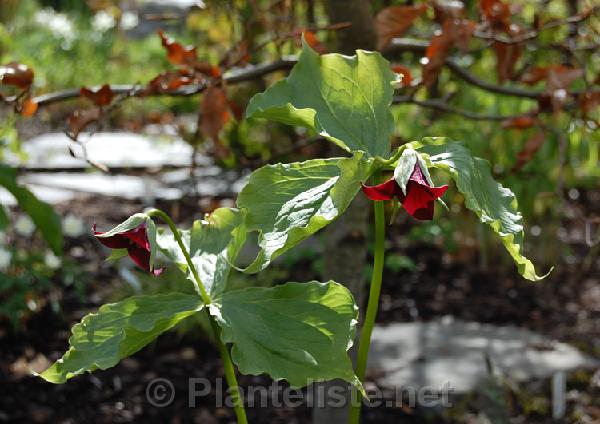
[
  {"x": 372, "y": 306},
  {"x": 199, "y": 286},
  {"x": 230, "y": 377},
  {"x": 394, "y": 158}
]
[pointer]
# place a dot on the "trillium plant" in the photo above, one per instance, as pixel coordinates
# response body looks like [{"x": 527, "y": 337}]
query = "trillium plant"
[{"x": 300, "y": 332}]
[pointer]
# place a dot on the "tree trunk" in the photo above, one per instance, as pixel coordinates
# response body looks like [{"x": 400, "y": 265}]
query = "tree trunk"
[
  {"x": 361, "y": 34},
  {"x": 345, "y": 239}
]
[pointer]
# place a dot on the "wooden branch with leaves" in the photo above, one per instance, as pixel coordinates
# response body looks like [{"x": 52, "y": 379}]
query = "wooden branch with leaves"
[
  {"x": 194, "y": 76},
  {"x": 253, "y": 72}
]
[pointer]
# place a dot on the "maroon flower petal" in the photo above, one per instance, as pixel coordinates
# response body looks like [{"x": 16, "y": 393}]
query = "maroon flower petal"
[
  {"x": 137, "y": 244},
  {"x": 437, "y": 192},
  {"x": 418, "y": 177},
  {"x": 140, "y": 256},
  {"x": 138, "y": 236},
  {"x": 385, "y": 191},
  {"x": 114, "y": 242},
  {"x": 419, "y": 201}
]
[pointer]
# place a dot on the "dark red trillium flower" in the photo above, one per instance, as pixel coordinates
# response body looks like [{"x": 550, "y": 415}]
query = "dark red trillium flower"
[
  {"x": 137, "y": 245},
  {"x": 419, "y": 198}
]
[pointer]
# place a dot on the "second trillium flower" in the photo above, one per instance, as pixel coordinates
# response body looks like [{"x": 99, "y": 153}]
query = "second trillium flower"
[
  {"x": 411, "y": 185},
  {"x": 132, "y": 236}
]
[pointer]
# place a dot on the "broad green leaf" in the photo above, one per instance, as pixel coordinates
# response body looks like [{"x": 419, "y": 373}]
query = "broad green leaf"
[
  {"x": 169, "y": 247},
  {"x": 299, "y": 332},
  {"x": 213, "y": 243},
  {"x": 346, "y": 99},
  {"x": 494, "y": 204},
  {"x": 119, "y": 330},
  {"x": 287, "y": 203},
  {"x": 42, "y": 214}
]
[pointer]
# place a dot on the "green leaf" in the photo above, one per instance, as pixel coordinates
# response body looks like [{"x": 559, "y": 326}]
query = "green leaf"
[
  {"x": 287, "y": 203},
  {"x": 42, "y": 214},
  {"x": 169, "y": 247},
  {"x": 119, "y": 330},
  {"x": 346, "y": 99},
  {"x": 214, "y": 246},
  {"x": 213, "y": 243},
  {"x": 300, "y": 332},
  {"x": 494, "y": 204},
  {"x": 117, "y": 254}
]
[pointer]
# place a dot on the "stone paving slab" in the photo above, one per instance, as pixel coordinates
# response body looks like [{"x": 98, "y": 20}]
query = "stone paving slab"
[{"x": 435, "y": 353}]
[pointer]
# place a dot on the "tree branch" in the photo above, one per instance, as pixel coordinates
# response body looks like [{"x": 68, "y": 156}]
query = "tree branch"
[
  {"x": 234, "y": 76},
  {"x": 398, "y": 45},
  {"x": 250, "y": 73},
  {"x": 533, "y": 34},
  {"x": 465, "y": 75},
  {"x": 445, "y": 107}
]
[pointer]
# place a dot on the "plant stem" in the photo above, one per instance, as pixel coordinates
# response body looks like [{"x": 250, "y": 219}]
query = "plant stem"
[
  {"x": 373, "y": 303},
  {"x": 230, "y": 377},
  {"x": 199, "y": 286}
]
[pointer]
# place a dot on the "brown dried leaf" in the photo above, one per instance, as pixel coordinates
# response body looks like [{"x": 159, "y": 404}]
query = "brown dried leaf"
[
  {"x": 394, "y": 21},
  {"x": 520, "y": 122},
  {"x": 80, "y": 119},
  {"x": 169, "y": 81},
  {"x": 28, "y": 107},
  {"x": 529, "y": 150},
  {"x": 455, "y": 32},
  {"x": 556, "y": 76},
  {"x": 100, "y": 97},
  {"x": 497, "y": 13},
  {"x": 589, "y": 102},
  {"x": 506, "y": 59},
  {"x": 436, "y": 54},
  {"x": 445, "y": 10},
  {"x": 534, "y": 75},
  {"x": 214, "y": 112},
  {"x": 16, "y": 74},
  {"x": 463, "y": 32},
  {"x": 177, "y": 53},
  {"x": 313, "y": 41},
  {"x": 237, "y": 110},
  {"x": 405, "y": 72},
  {"x": 561, "y": 77},
  {"x": 208, "y": 69}
]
